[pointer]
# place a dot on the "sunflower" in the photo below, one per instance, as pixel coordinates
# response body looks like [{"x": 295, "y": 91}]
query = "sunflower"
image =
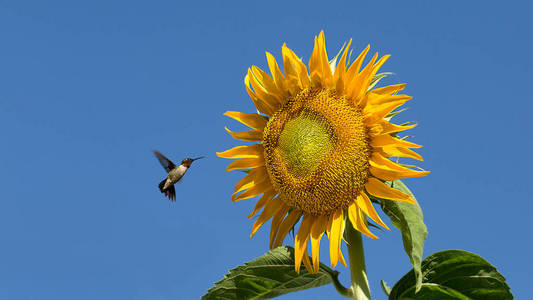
[{"x": 324, "y": 142}]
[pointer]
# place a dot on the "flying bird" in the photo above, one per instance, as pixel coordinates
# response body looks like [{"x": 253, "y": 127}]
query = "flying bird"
[{"x": 175, "y": 173}]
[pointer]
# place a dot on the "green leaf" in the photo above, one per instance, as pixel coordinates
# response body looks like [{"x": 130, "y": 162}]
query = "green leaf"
[
  {"x": 268, "y": 276},
  {"x": 454, "y": 274},
  {"x": 433, "y": 291},
  {"x": 408, "y": 218}
]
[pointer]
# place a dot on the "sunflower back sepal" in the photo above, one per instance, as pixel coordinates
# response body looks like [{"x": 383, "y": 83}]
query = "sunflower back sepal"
[
  {"x": 409, "y": 220},
  {"x": 376, "y": 79},
  {"x": 454, "y": 274},
  {"x": 385, "y": 288},
  {"x": 268, "y": 276},
  {"x": 393, "y": 114}
]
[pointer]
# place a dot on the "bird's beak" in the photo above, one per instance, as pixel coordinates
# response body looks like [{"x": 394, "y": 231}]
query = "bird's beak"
[{"x": 198, "y": 158}]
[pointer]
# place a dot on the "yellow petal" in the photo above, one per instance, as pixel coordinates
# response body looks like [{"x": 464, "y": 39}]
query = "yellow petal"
[
  {"x": 300, "y": 241},
  {"x": 358, "y": 86},
  {"x": 363, "y": 223},
  {"x": 254, "y": 121},
  {"x": 286, "y": 225},
  {"x": 340, "y": 70},
  {"x": 364, "y": 204},
  {"x": 395, "y": 175},
  {"x": 380, "y": 161},
  {"x": 379, "y": 189},
  {"x": 271, "y": 208},
  {"x": 385, "y": 127},
  {"x": 355, "y": 66},
  {"x": 387, "y": 140},
  {"x": 253, "y": 191},
  {"x": 367, "y": 78},
  {"x": 375, "y": 113},
  {"x": 267, "y": 196},
  {"x": 389, "y": 151},
  {"x": 253, "y": 177},
  {"x": 300, "y": 68},
  {"x": 249, "y": 136},
  {"x": 336, "y": 220},
  {"x": 307, "y": 263},
  {"x": 357, "y": 220},
  {"x": 341, "y": 258},
  {"x": 377, "y": 99},
  {"x": 276, "y": 221},
  {"x": 251, "y": 151},
  {"x": 319, "y": 64},
  {"x": 271, "y": 99},
  {"x": 367, "y": 70},
  {"x": 315, "y": 67},
  {"x": 279, "y": 79},
  {"x": 262, "y": 106},
  {"x": 376, "y": 67},
  {"x": 268, "y": 86},
  {"x": 327, "y": 76},
  {"x": 291, "y": 75},
  {"x": 246, "y": 163},
  {"x": 317, "y": 230},
  {"x": 386, "y": 169},
  {"x": 389, "y": 90}
]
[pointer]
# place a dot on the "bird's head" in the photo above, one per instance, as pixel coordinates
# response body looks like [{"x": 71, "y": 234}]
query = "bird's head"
[{"x": 188, "y": 161}]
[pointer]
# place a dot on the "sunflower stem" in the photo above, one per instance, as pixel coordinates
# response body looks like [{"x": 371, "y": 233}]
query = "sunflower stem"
[{"x": 360, "y": 287}]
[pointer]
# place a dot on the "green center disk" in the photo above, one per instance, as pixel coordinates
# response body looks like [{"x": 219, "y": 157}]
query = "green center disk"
[{"x": 304, "y": 142}]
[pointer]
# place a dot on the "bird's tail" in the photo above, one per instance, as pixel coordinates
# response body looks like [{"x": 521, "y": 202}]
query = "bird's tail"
[{"x": 170, "y": 192}]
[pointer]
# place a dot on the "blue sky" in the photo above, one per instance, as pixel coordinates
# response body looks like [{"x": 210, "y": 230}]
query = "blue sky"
[{"x": 87, "y": 90}]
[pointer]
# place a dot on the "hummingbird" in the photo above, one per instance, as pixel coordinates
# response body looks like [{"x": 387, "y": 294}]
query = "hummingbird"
[{"x": 175, "y": 173}]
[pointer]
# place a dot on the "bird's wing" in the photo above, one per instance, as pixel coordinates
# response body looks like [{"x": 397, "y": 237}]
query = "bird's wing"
[{"x": 165, "y": 162}]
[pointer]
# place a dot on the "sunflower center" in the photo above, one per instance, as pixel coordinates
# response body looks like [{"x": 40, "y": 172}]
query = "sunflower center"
[
  {"x": 304, "y": 141},
  {"x": 317, "y": 151}
]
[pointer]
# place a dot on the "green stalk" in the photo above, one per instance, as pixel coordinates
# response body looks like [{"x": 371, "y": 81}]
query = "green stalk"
[
  {"x": 336, "y": 283},
  {"x": 360, "y": 287}
]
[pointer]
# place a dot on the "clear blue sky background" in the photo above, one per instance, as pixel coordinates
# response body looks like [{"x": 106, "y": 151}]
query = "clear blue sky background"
[{"x": 88, "y": 89}]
